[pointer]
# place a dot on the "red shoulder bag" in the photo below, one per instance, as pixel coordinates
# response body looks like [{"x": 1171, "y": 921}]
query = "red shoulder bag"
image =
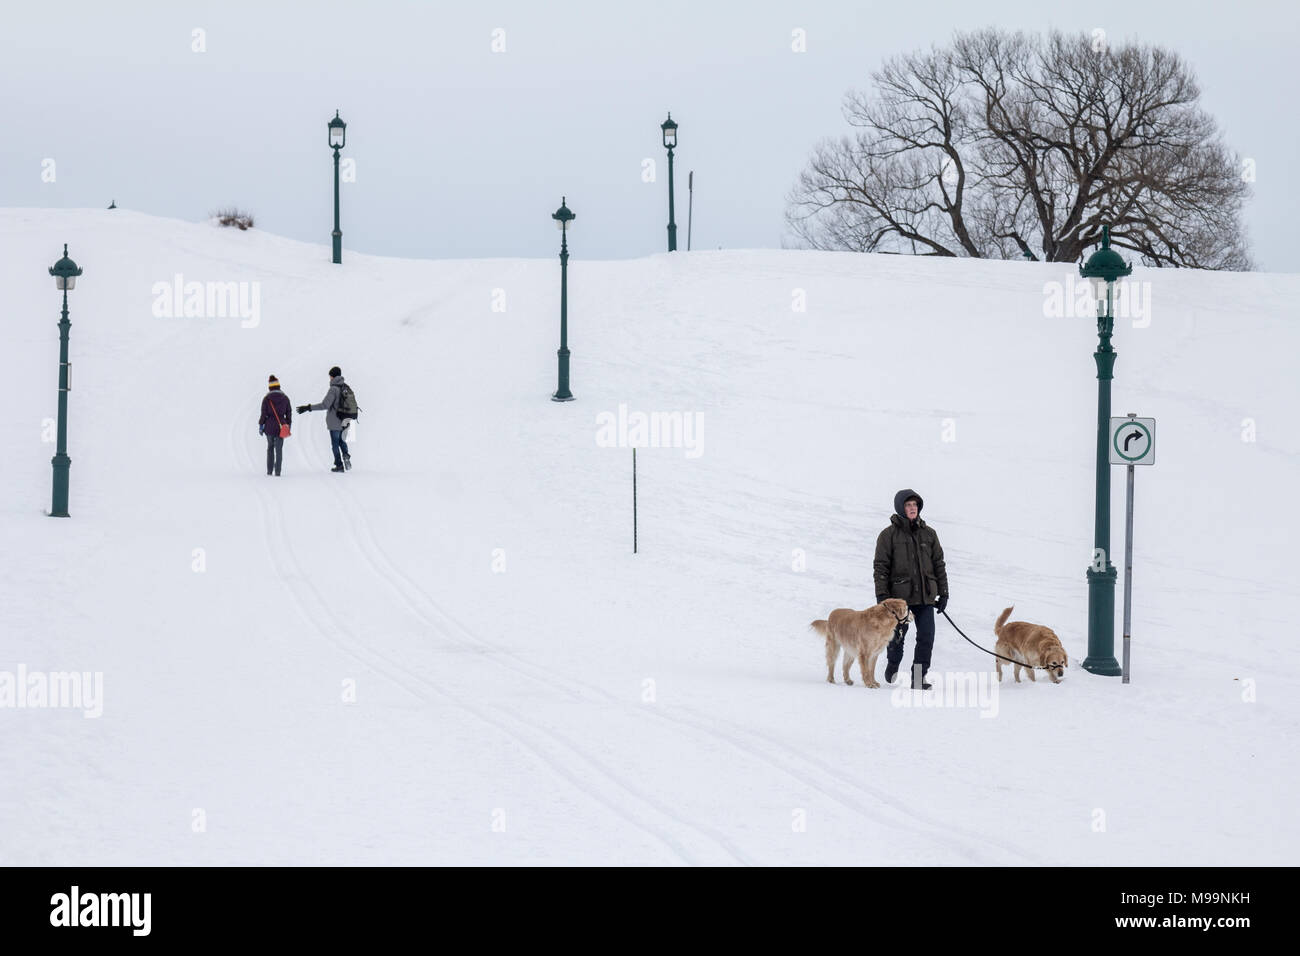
[{"x": 284, "y": 429}]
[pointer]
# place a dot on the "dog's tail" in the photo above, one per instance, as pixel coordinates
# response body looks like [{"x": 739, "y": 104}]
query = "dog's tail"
[
  {"x": 1002, "y": 619},
  {"x": 820, "y": 627}
]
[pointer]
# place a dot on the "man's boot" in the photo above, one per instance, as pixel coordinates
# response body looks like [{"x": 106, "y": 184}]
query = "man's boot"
[
  {"x": 891, "y": 665},
  {"x": 918, "y": 678}
]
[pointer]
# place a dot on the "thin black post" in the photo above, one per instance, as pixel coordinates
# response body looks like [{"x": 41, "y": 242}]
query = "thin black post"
[
  {"x": 690, "y": 206},
  {"x": 634, "y": 499}
]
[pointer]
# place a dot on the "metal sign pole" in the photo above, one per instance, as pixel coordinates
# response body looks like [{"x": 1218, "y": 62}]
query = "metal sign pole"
[
  {"x": 1132, "y": 442},
  {"x": 690, "y": 207},
  {"x": 1128, "y": 572},
  {"x": 634, "y": 499}
]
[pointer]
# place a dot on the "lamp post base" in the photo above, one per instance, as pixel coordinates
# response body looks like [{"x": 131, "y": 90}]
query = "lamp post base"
[
  {"x": 338, "y": 247},
  {"x": 562, "y": 393},
  {"x": 1102, "y": 666},
  {"x": 1101, "y": 623},
  {"x": 59, "y": 507}
]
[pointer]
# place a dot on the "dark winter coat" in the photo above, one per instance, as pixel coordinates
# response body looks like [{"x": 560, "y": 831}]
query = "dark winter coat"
[
  {"x": 909, "y": 560},
  {"x": 283, "y": 407}
]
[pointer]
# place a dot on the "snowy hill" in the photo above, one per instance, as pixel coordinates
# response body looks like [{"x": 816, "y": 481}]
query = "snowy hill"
[{"x": 529, "y": 691}]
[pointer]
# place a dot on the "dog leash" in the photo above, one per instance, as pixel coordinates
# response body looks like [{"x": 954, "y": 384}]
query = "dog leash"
[{"x": 986, "y": 650}]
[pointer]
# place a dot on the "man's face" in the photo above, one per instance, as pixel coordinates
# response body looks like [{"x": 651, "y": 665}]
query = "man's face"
[{"x": 910, "y": 509}]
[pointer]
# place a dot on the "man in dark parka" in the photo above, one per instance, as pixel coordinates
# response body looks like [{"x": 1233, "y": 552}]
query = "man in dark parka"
[{"x": 909, "y": 565}]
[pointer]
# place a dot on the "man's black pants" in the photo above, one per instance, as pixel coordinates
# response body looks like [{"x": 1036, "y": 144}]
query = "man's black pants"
[{"x": 923, "y": 617}]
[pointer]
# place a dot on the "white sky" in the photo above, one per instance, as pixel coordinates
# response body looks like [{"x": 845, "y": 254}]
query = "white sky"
[{"x": 463, "y": 152}]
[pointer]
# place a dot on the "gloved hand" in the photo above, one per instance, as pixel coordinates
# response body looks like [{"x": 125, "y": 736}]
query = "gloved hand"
[
  {"x": 261, "y": 429},
  {"x": 303, "y": 409},
  {"x": 942, "y": 603}
]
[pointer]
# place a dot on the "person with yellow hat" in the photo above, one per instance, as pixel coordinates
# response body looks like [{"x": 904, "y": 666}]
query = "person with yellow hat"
[{"x": 277, "y": 414}]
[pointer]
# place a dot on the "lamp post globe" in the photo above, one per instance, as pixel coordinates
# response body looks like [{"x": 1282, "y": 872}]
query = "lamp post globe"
[
  {"x": 563, "y": 217},
  {"x": 1102, "y": 269},
  {"x": 669, "y": 129},
  {"x": 65, "y": 273},
  {"x": 338, "y": 134}
]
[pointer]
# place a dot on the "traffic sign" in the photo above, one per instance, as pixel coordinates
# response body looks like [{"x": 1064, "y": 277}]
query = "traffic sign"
[{"x": 1132, "y": 441}]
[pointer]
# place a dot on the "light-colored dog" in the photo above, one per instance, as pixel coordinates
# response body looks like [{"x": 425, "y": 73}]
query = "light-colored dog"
[
  {"x": 862, "y": 634},
  {"x": 1032, "y": 645}
]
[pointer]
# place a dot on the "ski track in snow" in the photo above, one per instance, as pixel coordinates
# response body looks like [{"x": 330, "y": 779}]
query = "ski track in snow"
[
  {"x": 861, "y": 800},
  {"x": 560, "y": 756}
]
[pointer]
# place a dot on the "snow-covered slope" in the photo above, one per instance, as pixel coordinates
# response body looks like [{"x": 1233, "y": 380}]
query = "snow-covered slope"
[{"x": 529, "y": 691}]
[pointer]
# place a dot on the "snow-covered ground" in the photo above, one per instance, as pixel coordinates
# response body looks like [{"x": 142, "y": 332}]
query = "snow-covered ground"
[{"x": 529, "y": 691}]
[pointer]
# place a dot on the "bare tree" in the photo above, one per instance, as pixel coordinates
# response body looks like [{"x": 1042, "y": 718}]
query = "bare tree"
[{"x": 1004, "y": 145}]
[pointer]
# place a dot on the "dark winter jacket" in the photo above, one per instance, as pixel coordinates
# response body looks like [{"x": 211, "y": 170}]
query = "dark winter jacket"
[
  {"x": 909, "y": 560},
  {"x": 329, "y": 404},
  {"x": 283, "y": 407}
]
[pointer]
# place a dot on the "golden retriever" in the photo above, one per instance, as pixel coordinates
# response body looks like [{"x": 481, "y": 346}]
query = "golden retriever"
[
  {"x": 1031, "y": 645},
  {"x": 862, "y": 634}
]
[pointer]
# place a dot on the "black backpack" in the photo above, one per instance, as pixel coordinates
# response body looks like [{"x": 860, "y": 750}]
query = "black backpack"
[{"x": 346, "y": 406}]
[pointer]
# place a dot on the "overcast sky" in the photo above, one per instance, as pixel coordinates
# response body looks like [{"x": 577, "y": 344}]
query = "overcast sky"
[{"x": 461, "y": 151}]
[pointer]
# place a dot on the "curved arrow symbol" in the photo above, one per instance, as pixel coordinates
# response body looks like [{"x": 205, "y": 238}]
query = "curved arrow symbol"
[{"x": 1129, "y": 437}]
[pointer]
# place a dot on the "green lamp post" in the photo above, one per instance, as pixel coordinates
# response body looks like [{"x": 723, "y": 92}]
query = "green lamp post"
[
  {"x": 1102, "y": 269},
  {"x": 338, "y": 135},
  {"x": 563, "y": 219},
  {"x": 65, "y": 273},
  {"x": 670, "y": 143}
]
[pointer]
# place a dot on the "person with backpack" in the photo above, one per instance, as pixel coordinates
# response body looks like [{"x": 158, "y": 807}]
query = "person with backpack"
[
  {"x": 340, "y": 407},
  {"x": 277, "y": 415}
]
